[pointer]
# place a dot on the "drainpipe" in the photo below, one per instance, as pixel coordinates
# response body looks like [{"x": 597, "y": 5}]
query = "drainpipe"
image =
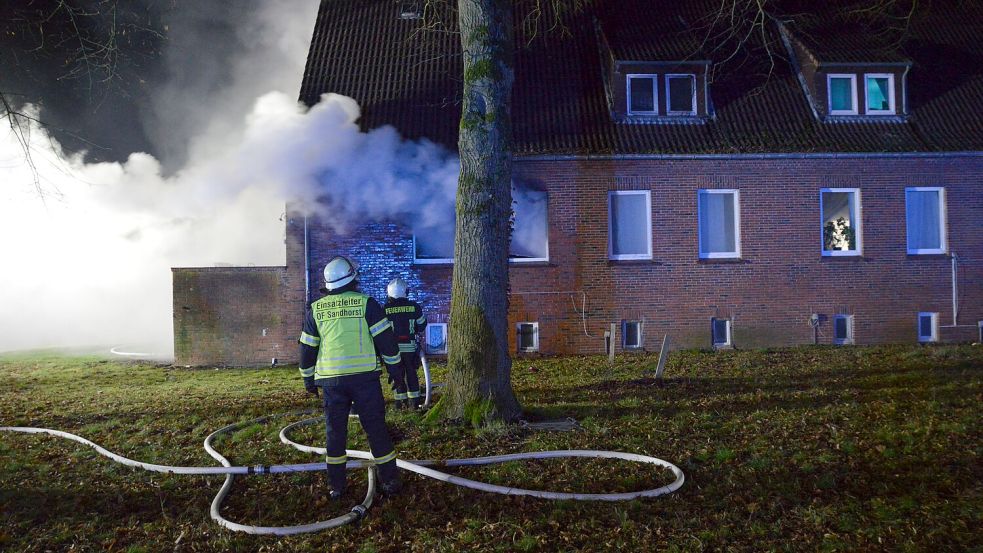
[
  {"x": 307, "y": 265},
  {"x": 955, "y": 291}
]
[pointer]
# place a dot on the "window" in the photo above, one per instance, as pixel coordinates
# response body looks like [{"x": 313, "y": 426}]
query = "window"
[
  {"x": 434, "y": 244},
  {"x": 681, "y": 94},
  {"x": 721, "y": 330},
  {"x": 720, "y": 223},
  {"x": 630, "y": 224},
  {"x": 842, "y": 329},
  {"x": 980, "y": 325},
  {"x": 527, "y": 336},
  {"x": 631, "y": 334},
  {"x": 530, "y": 237},
  {"x": 842, "y": 92},
  {"x": 643, "y": 94},
  {"x": 880, "y": 93},
  {"x": 437, "y": 338},
  {"x": 925, "y": 218},
  {"x": 840, "y": 213},
  {"x": 928, "y": 327}
]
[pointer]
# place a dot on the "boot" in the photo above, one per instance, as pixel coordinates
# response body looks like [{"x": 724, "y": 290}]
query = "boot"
[
  {"x": 401, "y": 404},
  {"x": 391, "y": 488}
]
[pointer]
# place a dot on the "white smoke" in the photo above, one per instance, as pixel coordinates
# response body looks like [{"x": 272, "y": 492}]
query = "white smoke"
[{"x": 89, "y": 262}]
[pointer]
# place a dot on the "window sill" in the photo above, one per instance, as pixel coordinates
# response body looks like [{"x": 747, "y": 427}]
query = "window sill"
[
  {"x": 633, "y": 262},
  {"x": 721, "y": 260},
  {"x": 520, "y": 264},
  {"x": 434, "y": 264},
  {"x": 841, "y": 258},
  {"x": 934, "y": 255}
]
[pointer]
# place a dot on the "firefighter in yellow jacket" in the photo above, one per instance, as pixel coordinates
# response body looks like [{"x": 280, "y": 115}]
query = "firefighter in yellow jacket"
[{"x": 344, "y": 331}]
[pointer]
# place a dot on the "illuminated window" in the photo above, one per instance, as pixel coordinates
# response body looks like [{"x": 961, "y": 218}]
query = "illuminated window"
[
  {"x": 842, "y": 93},
  {"x": 841, "y": 222},
  {"x": 880, "y": 93}
]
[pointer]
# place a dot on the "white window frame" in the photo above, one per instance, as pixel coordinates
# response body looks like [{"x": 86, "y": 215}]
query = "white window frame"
[
  {"x": 692, "y": 80},
  {"x": 655, "y": 93},
  {"x": 535, "y": 337},
  {"x": 624, "y": 335},
  {"x": 713, "y": 337},
  {"x": 429, "y": 261},
  {"x": 943, "y": 221},
  {"x": 934, "y": 337},
  {"x": 648, "y": 225},
  {"x": 849, "y": 330},
  {"x": 426, "y": 344},
  {"x": 853, "y": 89},
  {"x": 890, "y": 97},
  {"x": 737, "y": 224},
  {"x": 859, "y": 225}
]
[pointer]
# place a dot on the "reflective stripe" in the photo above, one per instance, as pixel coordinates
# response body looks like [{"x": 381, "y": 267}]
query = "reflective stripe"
[
  {"x": 386, "y": 458},
  {"x": 344, "y": 358},
  {"x": 309, "y": 371},
  {"x": 328, "y": 372},
  {"x": 391, "y": 359},
  {"x": 380, "y": 327},
  {"x": 422, "y": 320},
  {"x": 408, "y": 348},
  {"x": 309, "y": 340},
  {"x": 400, "y": 396},
  {"x": 337, "y": 460},
  {"x": 413, "y": 395}
]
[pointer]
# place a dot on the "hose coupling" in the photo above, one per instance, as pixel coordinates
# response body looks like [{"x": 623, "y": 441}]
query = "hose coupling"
[{"x": 359, "y": 511}]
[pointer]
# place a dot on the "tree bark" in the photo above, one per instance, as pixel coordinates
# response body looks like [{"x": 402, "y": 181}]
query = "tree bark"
[{"x": 479, "y": 365}]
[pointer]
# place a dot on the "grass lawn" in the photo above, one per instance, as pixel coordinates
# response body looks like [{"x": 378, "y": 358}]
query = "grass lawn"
[{"x": 804, "y": 449}]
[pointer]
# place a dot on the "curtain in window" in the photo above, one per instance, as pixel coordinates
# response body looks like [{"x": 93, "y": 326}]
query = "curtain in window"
[
  {"x": 840, "y": 94},
  {"x": 924, "y": 220},
  {"x": 629, "y": 220},
  {"x": 878, "y": 95},
  {"x": 717, "y": 229}
]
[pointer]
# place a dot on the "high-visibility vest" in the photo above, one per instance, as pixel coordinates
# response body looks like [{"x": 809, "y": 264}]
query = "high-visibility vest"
[{"x": 346, "y": 345}]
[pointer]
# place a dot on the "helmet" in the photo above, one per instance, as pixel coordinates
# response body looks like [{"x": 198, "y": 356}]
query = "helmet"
[
  {"x": 396, "y": 288},
  {"x": 339, "y": 272}
]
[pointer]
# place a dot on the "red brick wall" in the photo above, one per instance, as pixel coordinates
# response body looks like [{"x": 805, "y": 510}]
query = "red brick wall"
[
  {"x": 769, "y": 293},
  {"x": 232, "y": 316}
]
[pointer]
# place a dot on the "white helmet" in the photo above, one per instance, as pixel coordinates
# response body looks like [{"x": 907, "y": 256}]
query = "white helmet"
[
  {"x": 396, "y": 288},
  {"x": 339, "y": 272}
]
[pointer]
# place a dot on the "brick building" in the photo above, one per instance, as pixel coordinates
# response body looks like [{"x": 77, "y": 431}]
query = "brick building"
[{"x": 824, "y": 186}]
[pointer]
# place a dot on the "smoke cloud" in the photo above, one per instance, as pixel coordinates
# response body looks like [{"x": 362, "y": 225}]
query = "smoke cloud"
[{"x": 91, "y": 264}]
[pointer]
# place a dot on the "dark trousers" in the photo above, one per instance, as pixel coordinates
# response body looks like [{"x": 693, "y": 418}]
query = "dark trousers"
[
  {"x": 364, "y": 392},
  {"x": 407, "y": 381}
]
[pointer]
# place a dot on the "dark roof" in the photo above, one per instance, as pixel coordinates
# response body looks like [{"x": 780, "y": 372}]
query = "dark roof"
[{"x": 407, "y": 76}]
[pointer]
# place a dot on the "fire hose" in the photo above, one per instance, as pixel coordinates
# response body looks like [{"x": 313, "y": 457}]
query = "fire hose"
[{"x": 363, "y": 459}]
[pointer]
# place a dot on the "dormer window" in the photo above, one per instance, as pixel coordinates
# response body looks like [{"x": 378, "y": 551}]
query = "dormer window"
[
  {"x": 842, "y": 94},
  {"x": 880, "y": 93},
  {"x": 643, "y": 94},
  {"x": 681, "y": 94}
]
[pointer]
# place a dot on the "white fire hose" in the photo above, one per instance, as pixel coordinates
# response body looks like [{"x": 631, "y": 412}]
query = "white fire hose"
[{"x": 358, "y": 512}]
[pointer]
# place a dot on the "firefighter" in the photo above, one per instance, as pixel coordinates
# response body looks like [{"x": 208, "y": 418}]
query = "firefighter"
[
  {"x": 408, "y": 319},
  {"x": 343, "y": 333}
]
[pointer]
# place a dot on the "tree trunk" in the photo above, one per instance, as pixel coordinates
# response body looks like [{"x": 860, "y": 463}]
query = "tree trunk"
[{"x": 479, "y": 365}]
